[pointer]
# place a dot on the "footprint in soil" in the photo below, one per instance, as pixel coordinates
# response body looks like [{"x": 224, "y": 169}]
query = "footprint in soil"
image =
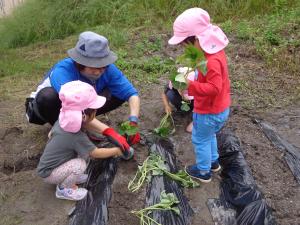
[
  {"x": 10, "y": 133},
  {"x": 12, "y": 160}
]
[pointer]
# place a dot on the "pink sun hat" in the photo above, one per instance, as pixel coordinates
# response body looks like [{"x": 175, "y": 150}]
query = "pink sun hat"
[
  {"x": 196, "y": 22},
  {"x": 75, "y": 97}
]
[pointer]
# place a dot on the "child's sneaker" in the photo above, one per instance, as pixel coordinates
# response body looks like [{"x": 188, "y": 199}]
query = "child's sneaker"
[
  {"x": 127, "y": 155},
  {"x": 74, "y": 194},
  {"x": 215, "y": 166},
  {"x": 81, "y": 178},
  {"x": 194, "y": 172}
]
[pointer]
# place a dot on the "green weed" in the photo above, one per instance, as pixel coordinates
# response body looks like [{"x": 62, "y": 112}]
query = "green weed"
[
  {"x": 244, "y": 31},
  {"x": 44, "y": 20},
  {"x": 146, "y": 69}
]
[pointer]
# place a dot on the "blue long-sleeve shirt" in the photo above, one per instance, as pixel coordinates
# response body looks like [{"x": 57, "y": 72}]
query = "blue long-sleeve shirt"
[{"x": 112, "y": 78}]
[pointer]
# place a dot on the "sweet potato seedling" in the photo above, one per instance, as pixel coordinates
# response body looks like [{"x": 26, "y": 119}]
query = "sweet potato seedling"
[
  {"x": 166, "y": 126},
  {"x": 193, "y": 59},
  {"x": 154, "y": 165},
  {"x": 185, "y": 106},
  {"x": 127, "y": 129},
  {"x": 168, "y": 201}
]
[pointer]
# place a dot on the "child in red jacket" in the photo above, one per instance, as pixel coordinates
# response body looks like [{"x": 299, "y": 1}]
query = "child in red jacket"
[{"x": 211, "y": 91}]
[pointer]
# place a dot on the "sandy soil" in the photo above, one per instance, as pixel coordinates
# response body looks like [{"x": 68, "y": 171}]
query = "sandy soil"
[{"x": 25, "y": 199}]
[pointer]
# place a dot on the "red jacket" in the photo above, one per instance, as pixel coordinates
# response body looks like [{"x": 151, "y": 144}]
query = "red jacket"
[{"x": 212, "y": 91}]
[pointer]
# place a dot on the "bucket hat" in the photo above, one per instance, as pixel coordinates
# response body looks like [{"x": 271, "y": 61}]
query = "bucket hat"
[
  {"x": 196, "y": 22},
  {"x": 75, "y": 97},
  {"x": 92, "y": 50}
]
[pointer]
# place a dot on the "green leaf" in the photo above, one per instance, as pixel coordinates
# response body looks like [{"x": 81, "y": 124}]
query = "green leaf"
[
  {"x": 177, "y": 85},
  {"x": 191, "y": 56},
  {"x": 188, "y": 181},
  {"x": 154, "y": 165},
  {"x": 180, "y": 78},
  {"x": 167, "y": 202},
  {"x": 185, "y": 106},
  {"x": 166, "y": 126},
  {"x": 160, "y": 164},
  {"x": 176, "y": 210},
  {"x": 127, "y": 128},
  {"x": 162, "y": 131},
  {"x": 157, "y": 172}
]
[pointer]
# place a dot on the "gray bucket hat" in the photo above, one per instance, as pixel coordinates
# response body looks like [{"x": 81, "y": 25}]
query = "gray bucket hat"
[{"x": 92, "y": 50}]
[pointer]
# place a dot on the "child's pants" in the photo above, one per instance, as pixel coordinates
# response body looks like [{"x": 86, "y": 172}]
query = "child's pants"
[
  {"x": 205, "y": 127},
  {"x": 175, "y": 98},
  {"x": 67, "y": 173}
]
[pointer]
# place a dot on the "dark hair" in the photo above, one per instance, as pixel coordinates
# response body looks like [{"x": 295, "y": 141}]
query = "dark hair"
[
  {"x": 80, "y": 67},
  {"x": 189, "y": 40},
  {"x": 89, "y": 111}
]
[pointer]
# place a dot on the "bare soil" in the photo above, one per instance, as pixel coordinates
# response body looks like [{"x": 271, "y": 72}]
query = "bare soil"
[{"x": 25, "y": 199}]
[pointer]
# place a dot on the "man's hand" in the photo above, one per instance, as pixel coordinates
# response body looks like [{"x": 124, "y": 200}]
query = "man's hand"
[{"x": 117, "y": 139}]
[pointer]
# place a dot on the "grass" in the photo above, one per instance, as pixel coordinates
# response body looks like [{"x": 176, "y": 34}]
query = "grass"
[
  {"x": 138, "y": 32},
  {"x": 275, "y": 36},
  {"x": 44, "y": 20}
]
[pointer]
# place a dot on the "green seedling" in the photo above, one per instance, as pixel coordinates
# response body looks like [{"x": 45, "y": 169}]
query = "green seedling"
[
  {"x": 154, "y": 165},
  {"x": 127, "y": 129},
  {"x": 185, "y": 106},
  {"x": 192, "y": 58},
  {"x": 167, "y": 202},
  {"x": 176, "y": 83},
  {"x": 166, "y": 126}
]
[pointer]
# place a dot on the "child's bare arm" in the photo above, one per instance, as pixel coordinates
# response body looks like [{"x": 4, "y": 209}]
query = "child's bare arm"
[
  {"x": 50, "y": 134},
  {"x": 95, "y": 126},
  {"x": 103, "y": 153},
  {"x": 167, "y": 106}
]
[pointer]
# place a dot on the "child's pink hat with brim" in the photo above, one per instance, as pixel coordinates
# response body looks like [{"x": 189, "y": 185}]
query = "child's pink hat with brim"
[
  {"x": 75, "y": 97},
  {"x": 196, "y": 22}
]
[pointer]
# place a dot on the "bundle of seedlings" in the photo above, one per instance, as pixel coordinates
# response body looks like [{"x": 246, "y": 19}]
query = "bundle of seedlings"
[
  {"x": 154, "y": 165},
  {"x": 166, "y": 126},
  {"x": 158, "y": 184},
  {"x": 167, "y": 202}
]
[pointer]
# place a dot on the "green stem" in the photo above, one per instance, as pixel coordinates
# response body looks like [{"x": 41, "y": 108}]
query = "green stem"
[
  {"x": 173, "y": 176},
  {"x": 146, "y": 169},
  {"x": 156, "y": 207},
  {"x": 149, "y": 218}
]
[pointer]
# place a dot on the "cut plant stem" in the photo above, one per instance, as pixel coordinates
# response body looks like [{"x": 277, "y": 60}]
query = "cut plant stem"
[
  {"x": 165, "y": 128},
  {"x": 167, "y": 202},
  {"x": 153, "y": 166}
]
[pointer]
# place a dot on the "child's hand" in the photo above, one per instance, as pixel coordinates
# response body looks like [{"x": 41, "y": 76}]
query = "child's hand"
[
  {"x": 119, "y": 152},
  {"x": 50, "y": 134},
  {"x": 167, "y": 106},
  {"x": 168, "y": 109}
]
